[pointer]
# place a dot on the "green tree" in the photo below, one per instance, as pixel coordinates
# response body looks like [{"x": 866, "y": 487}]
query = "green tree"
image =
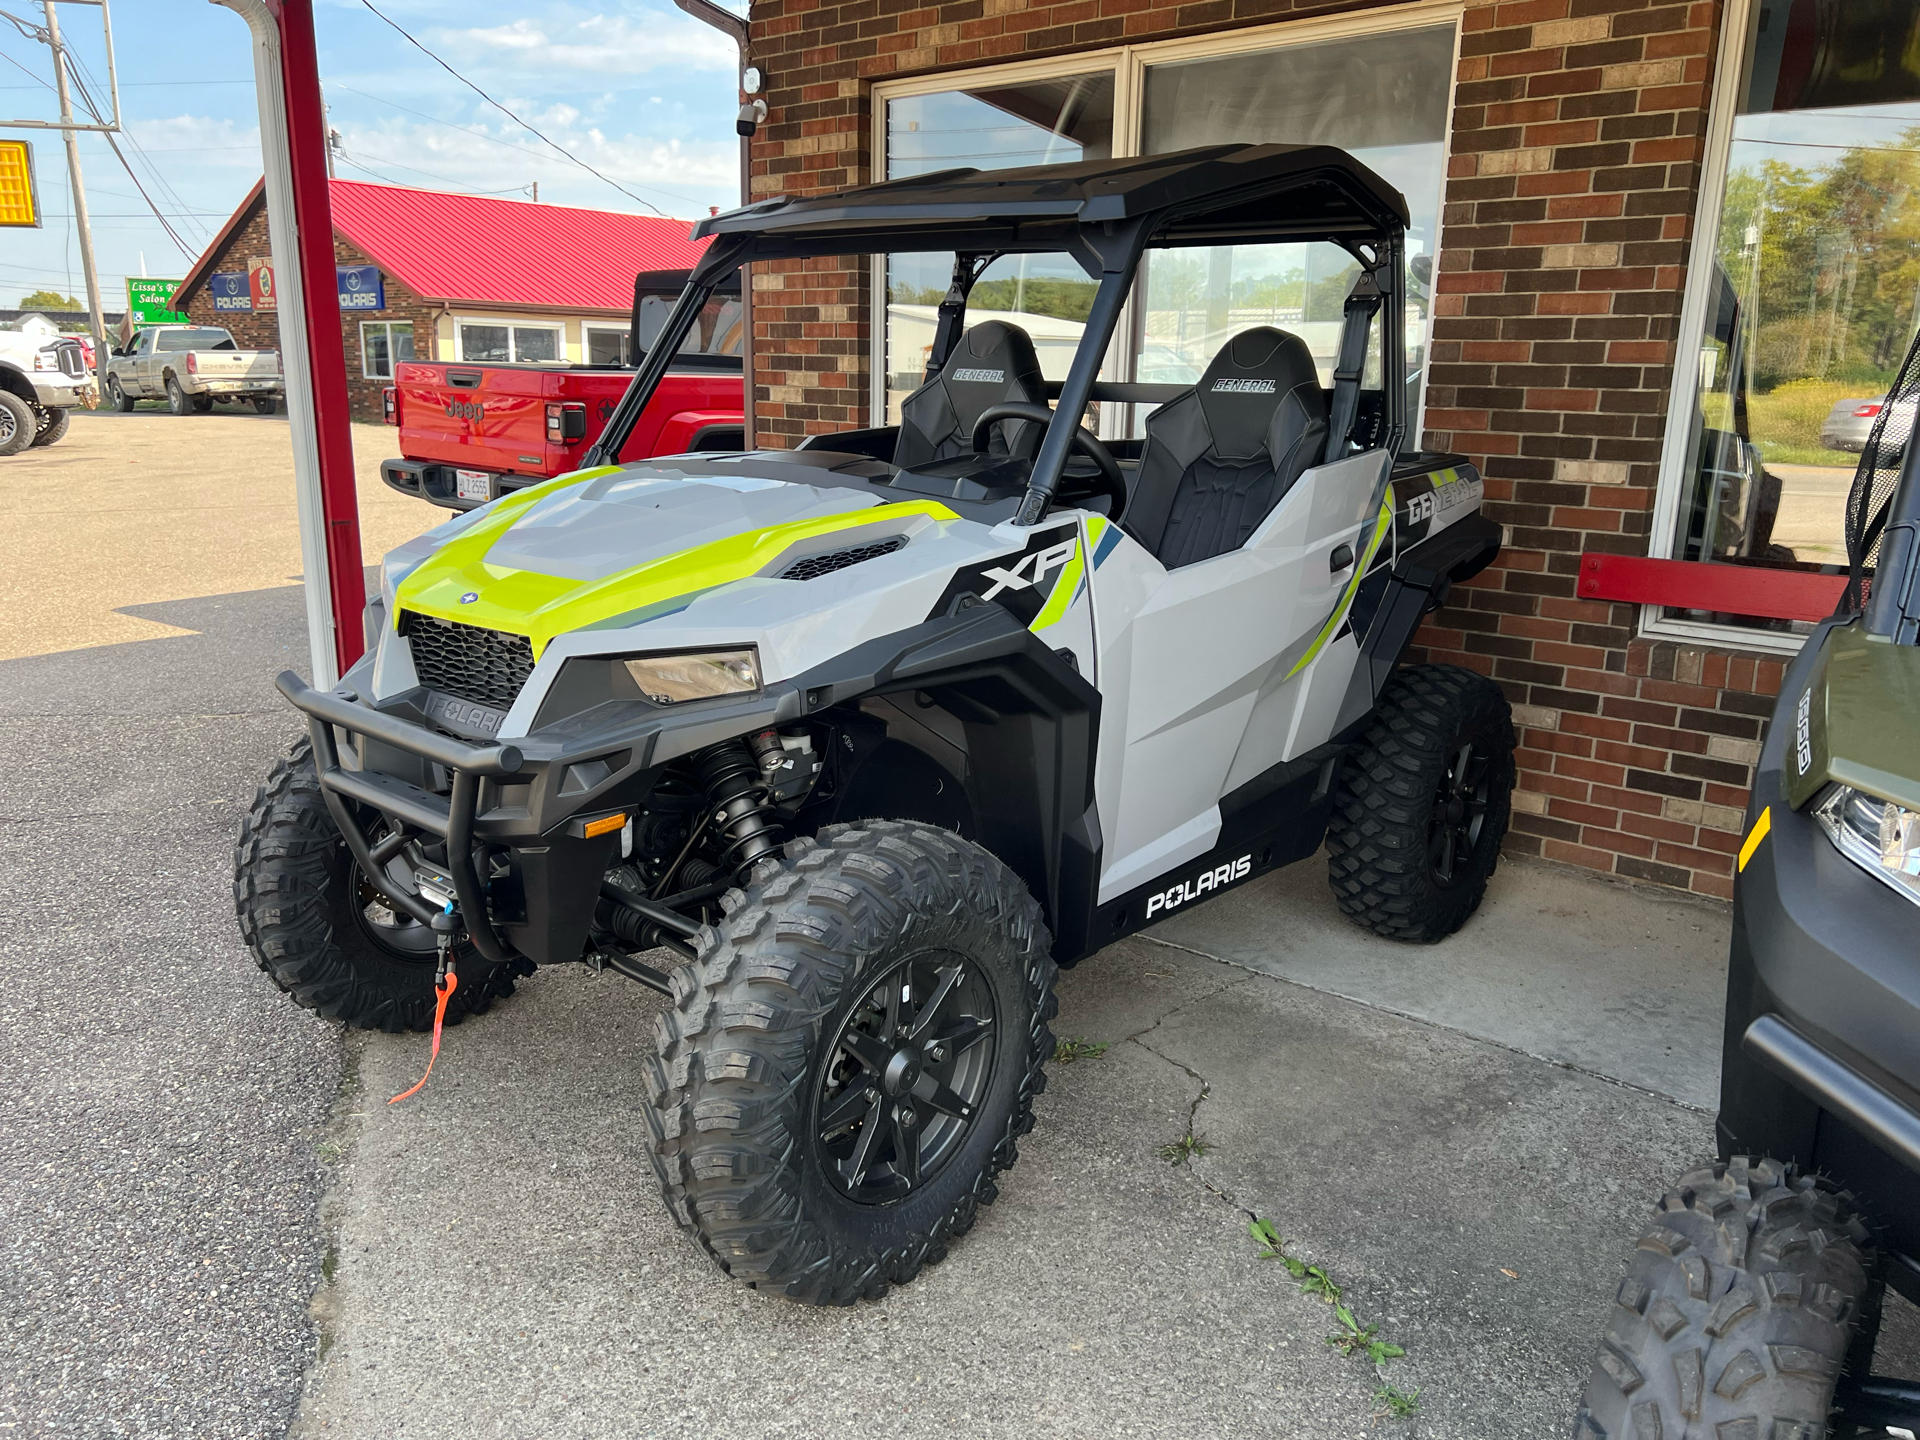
[{"x": 49, "y": 300}]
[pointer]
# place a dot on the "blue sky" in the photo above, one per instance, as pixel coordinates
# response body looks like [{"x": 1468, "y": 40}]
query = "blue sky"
[{"x": 637, "y": 89}]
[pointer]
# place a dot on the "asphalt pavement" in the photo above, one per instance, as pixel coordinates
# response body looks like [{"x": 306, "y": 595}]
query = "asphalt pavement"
[{"x": 212, "y": 1224}]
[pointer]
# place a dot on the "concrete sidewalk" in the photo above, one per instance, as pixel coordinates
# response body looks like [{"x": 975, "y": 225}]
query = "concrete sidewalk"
[{"x": 502, "y": 1265}]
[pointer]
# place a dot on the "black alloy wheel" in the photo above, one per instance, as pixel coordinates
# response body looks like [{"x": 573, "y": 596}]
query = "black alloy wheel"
[
  {"x": 1460, "y": 810},
  {"x": 393, "y": 931},
  {"x": 904, "y": 1077}
]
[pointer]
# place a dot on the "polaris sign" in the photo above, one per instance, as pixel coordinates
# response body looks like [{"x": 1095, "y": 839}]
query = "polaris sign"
[
  {"x": 230, "y": 291},
  {"x": 360, "y": 287}
]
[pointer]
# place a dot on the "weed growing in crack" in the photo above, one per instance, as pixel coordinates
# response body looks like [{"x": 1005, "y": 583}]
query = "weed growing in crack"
[
  {"x": 1395, "y": 1403},
  {"x": 1313, "y": 1280},
  {"x": 1068, "y": 1051},
  {"x": 1353, "y": 1338},
  {"x": 1187, "y": 1147}
]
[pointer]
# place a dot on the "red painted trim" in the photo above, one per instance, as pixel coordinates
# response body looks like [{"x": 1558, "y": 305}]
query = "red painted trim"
[
  {"x": 339, "y": 499},
  {"x": 1696, "y": 585}
]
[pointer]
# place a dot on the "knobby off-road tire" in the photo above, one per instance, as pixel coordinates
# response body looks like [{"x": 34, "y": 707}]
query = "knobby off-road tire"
[
  {"x": 1736, "y": 1312},
  {"x": 1421, "y": 804},
  {"x": 746, "y": 1053},
  {"x": 55, "y": 428},
  {"x": 298, "y": 896},
  {"x": 18, "y": 423}
]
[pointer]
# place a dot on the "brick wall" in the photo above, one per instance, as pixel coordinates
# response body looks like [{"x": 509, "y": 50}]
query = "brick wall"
[
  {"x": 1577, "y": 135},
  {"x": 260, "y": 330}
]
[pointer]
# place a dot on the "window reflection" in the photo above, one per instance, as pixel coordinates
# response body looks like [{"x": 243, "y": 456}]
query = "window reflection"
[{"x": 1812, "y": 299}]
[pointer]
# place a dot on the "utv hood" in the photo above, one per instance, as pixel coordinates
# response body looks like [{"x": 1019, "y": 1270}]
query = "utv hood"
[
  {"x": 1858, "y": 721},
  {"x": 608, "y": 549}
]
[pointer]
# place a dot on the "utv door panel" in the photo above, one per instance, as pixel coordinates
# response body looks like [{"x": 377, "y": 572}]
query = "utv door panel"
[{"x": 1210, "y": 665}]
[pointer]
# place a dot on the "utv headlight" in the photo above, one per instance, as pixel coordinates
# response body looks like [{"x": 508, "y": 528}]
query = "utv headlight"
[
  {"x": 670, "y": 679},
  {"x": 1879, "y": 836}
]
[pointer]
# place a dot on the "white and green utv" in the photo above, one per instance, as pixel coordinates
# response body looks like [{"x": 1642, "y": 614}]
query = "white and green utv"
[{"x": 846, "y": 748}]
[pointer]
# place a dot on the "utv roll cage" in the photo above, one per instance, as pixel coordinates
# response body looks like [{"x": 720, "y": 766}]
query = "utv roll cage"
[{"x": 1104, "y": 214}]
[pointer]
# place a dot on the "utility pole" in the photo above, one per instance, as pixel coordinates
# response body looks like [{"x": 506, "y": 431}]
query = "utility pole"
[
  {"x": 536, "y": 192},
  {"x": 95, "y": 320}
]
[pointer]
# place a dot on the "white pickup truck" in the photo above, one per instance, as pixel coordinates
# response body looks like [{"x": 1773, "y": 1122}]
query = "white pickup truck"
[
  {"x": 190, "y": 367},
  {"x": 41, "y": 380}
]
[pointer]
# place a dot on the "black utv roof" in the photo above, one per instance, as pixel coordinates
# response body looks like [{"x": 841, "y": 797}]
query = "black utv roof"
[{"x": 1213, "y": 194}]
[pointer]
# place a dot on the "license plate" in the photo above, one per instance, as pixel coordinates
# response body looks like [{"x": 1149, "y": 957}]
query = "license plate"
[{"x": 473, "y": 485}]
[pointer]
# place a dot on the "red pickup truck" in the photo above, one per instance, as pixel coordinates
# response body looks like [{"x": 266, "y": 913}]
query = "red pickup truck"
[{"x": 471, "y": 432}]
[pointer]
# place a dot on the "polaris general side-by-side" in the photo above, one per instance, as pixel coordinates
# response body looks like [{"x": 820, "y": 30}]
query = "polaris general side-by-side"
[{"x": 861, "y": 741}]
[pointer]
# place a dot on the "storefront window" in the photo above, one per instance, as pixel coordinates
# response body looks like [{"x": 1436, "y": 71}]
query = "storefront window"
[
  {"x": 1809, "y": 303},
  {"x": 383, "y": 344},
  {"x": 1044, "y": 122},
  {"x": 1383, "y": 98}
]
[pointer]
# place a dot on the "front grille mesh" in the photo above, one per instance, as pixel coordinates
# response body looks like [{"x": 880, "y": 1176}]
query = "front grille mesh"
[
  {"x": 488, "y": 667},
  {"x": 814, "y": 566}
]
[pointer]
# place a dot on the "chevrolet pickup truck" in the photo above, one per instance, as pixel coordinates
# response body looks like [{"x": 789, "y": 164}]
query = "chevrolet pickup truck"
[
  {"x": 470, "y": 433},
  {"x": 41, "y": 380},
  {"x": 191, "y": 367}
]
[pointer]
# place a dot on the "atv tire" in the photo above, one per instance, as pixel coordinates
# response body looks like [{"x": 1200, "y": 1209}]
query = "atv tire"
[
  {"x": 762, "y": 1051},
  {"x": 305, "y": 914},
  {"x": 54, "y": 429},
  {"x": 18, "y": 423},
  {"x": 1421, "y": 804},
  {"x": 1735, "y": 1315}
]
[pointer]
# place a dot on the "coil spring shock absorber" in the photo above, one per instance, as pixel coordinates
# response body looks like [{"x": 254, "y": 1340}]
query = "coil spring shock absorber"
[{"x": 744, "y": 825}]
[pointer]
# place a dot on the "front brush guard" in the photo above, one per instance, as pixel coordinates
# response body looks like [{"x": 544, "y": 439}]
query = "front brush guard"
[{"x": 451, "y": 817}]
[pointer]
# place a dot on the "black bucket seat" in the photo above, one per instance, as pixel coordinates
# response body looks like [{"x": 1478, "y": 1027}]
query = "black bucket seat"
[
  {"x": 994, "y": 362},
  {"x": 1221, "y": 456}
]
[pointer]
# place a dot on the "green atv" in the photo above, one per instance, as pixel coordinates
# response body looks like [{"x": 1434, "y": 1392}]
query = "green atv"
[
  {"x": 847, "y": 748},
  {"x": 1753, "y": 1302}
]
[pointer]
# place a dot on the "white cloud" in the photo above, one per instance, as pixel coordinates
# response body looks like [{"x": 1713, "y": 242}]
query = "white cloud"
[
  {"x": 181, "y": 144},
  {"x": 683, "y": 178},
  {"x": 595, "y": 44}
]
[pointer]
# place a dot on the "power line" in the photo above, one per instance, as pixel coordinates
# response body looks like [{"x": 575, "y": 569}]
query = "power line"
[
  {"x": 86, "y": 99},
  {"x": 511, "y": 116},
  {"x": 492, "y": 139}
]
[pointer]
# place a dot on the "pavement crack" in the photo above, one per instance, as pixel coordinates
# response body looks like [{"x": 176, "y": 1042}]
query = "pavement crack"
[{"x": 1432, "y": 1024}]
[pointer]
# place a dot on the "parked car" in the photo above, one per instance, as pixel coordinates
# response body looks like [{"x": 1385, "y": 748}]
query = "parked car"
[
  {"x": 470, "y": 433},
  {"x": 1850, "y": 422},
  {"x": 862, "y": 740},
  {"x": 41, "y": 381},
  {"x": 193, "y": 367},
  {"x": 1752, "y": 1304}
]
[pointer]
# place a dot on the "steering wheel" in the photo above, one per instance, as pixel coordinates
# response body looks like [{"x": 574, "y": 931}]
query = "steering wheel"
[{"x": 1112, "y": 483}]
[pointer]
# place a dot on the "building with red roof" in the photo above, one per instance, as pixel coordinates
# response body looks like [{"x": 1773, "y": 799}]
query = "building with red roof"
[{"x": 429, "y": 275}]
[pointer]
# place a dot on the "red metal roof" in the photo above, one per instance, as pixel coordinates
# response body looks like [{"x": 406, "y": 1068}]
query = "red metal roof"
[
  {"x": 508, "y": 252},
  {"x": 480, "y": 251}
]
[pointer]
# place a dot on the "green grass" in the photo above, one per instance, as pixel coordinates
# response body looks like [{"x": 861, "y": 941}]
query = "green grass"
[
  {"x": 1187, "y": 1147},
  {"x": 1396, "y": 1403},
  {"x": 1068, "y": 1051},
  {"x": 1779, "y": 454}
]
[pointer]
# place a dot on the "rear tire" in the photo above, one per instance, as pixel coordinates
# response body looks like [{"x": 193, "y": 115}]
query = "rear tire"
[
  {"x": 202, "y": 404},
  {"x": 821, "y": 1128},
  {"x": 54, "y": 430},
  {"x": 310, "y": 921},
  {"x": 1422, "y": 803},
  {"x": 177, "y": 401},
  {"x": 263, "y": 404},
  {"x": 18, "y": 423},
  {"x": 117, "y": 396},
  {"x": 1736, "y": 1312}
]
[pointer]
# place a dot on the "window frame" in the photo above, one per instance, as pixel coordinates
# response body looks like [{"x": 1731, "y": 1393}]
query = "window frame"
[
  {"x": 512, "y": 323},
  {"x": 366, "y": 371},
  {"x": 1128, "y": 65},
  {"x": 1729, "y": 73},
  {"x": 588, "y": 328}
]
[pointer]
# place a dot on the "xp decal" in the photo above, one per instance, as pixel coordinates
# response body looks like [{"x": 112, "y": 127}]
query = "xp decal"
[
  {"x": 1022, "y": 583},
  {"x": 1175, "y": 896}
]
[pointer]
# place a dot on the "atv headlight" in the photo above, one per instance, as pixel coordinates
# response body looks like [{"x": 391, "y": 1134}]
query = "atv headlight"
[
  {"x": 1879, "y": 836},
  {"x": 669, "y": 679}
]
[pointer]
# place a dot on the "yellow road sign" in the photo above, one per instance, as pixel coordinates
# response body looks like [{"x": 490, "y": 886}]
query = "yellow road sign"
[{"x": 19, "y": 201}]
